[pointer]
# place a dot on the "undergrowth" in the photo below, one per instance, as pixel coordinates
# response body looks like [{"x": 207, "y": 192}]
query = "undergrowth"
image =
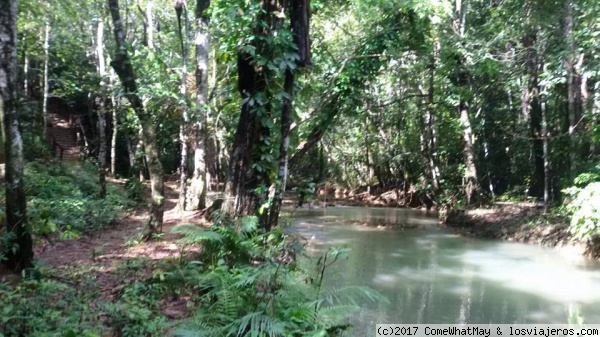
[
  {"x": 63, "y": 201},
  {"x": 583, "y": 204},
  {"x": 252, "y": 286},
  {"x": 232, "y": 279}
]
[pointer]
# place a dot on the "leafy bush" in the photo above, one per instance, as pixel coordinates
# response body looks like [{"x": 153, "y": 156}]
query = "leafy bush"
[
  {"x": 248, "y": 284},
  {"x": 64, "y": 199},
  {"x": 133, "y": 318},
  {"x": 585, "y": 208},
  {"x": 46, "y": 308},
  {"x": 135, "y": 190},
  {"x": 584, "y": 205}
]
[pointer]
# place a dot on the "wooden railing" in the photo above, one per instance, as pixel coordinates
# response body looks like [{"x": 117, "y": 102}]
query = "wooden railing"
[{"x": 56, "y": 145}]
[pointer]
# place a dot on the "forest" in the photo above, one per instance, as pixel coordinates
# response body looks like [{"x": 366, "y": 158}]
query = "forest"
[{"x": 154, "y": 152}]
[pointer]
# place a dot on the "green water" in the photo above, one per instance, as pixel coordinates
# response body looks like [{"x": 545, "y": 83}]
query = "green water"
[{"x": 431, "y": 275}]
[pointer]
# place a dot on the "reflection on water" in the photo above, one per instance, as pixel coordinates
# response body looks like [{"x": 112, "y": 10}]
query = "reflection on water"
[{"x": 433, "y": 276}]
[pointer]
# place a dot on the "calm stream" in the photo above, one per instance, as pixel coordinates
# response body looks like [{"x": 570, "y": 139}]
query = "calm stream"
[{"x": 431, "y": 275}]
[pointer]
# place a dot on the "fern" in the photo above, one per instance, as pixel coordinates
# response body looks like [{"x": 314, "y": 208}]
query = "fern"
[
  {"x": 257, "y": 324},
  {"x": 194, "y": 235},
  {"x": 249, "y": 225},
  {"x": 246, "y": 290},
  {"x": 337, "y": 315},
  {"x": 352, "y": 294}
]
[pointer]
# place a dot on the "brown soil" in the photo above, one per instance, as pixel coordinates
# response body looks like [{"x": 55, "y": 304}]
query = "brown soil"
[{"x": 102, "y": 255}]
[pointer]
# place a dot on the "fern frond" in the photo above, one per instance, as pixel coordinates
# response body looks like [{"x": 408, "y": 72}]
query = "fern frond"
[
  {"x": 352, "y": 294},
  {"x": 196, "y": 235},
  {"x": 257, "y": 324},
  {"x": 199, "y": 327},
  {"x": 248, "y": 225},
  {"x": 227, "y": 302},
  {"x": 336, "y": 315}
]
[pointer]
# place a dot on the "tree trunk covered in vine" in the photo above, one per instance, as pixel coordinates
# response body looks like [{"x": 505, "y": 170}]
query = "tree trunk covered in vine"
[
  {"x": 18, "y": 250},
  {"x": 237, "y": 189},
  {"x": 299, "y": 20},
  {"x": 246, "y": 172},
  {"x": 123, "y": 68}
]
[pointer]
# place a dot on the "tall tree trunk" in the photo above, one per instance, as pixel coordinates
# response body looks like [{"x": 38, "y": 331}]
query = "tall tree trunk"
[
  {"x": 428, "y": 131},
  {"x": 17, "y": 229},
  {"x": 101, "y": 103},
  {"x": 571, "y": 84},
  {"x": 45, "y": 84},
  {"x": 131, "y": 154},
  {"x": 215, "y": 153},
  {"x": 150, "y": 22},
  {"x": 471, "y": 182},
  {"x": 574, "y": 98},
  {"x": 545, "y": 146},
  {"x": 183, "y": 128},
  {"x": 123, "y": 68},
  {"x": 235, "y": 187},
  {"x": 115, "y": 128},
  {"x": 140, "y": 156},
  {"x": 244, "y": 177},
  {"x": 282, "y": 172},
  {"x": 26, "y": 75},
  {"x": 533, "y": 113},
  {"x": 199, "y": 181}
]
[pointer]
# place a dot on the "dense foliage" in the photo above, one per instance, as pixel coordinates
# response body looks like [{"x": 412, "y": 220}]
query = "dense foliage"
[
  {"x": 242, "y": 284},
  {"x": 436, "y": 102},
  {"x": 399, "y": 96},
  {"x": 63, "y": 201},
  {"x": 65, "y": 197},
  {"x": 584, "y": 205}
]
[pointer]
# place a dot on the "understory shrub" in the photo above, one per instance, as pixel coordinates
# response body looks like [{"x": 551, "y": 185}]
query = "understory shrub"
[
  {"x": 584, "y": 206},
  {"x": 134, "y": 189},
  {"x": 233, "y": 280},
  {"x": 249, "y": 284},
  {"x": 43, "y": 307},
  {"x": 64, "y": 198}
]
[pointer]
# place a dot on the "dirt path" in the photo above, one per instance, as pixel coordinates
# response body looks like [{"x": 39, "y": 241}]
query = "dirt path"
[{"x": 101, "y": 255}]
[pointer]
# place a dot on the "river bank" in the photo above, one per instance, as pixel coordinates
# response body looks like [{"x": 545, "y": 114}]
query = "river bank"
[
  {"x": 520, "y": 222},
  {"x": 525, "y": 222}
]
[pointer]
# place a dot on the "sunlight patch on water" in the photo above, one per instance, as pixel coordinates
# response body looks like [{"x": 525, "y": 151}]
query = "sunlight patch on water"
[
  {"x": 518, "y": 267},
  {"x": 386, "y": 279},
  {"x": 422, "y": 275}
]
